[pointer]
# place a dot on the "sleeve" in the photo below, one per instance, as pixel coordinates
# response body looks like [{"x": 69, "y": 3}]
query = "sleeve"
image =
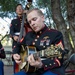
[
  {"x": 2, "y": 52},
  {"x": 12, "y": 29},
  {"x": 17, "y": 48},
  {"x": 58, "y": 40},
  {"x": 55, "y": 62}
]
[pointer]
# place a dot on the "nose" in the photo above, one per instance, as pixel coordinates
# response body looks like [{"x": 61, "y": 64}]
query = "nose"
[{"x": 32, "y": 23}]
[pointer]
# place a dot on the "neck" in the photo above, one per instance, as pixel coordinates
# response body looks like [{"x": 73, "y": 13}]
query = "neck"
[
  {"x": 41, "y": 28},
  {"x": 19, "y": 15}
]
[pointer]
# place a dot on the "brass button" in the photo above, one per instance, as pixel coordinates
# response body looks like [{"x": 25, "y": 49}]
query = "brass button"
[
  {"x": 40, "y": 32},
  {"x": 33, "y": 43},
  {"x": 16, "y": 24},
  {"x": 50, "y": 64},
  {"x": 45, "y": 65},
  {"x": 43, "y": 46},
  {"x": 35, "y": 39},
  {"x": 54, "y": 63},
  {"x": 37, "y": 36}
]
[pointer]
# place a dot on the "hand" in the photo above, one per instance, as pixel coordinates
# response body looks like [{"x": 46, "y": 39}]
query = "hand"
[
  {"x": 17, "y": 58},
  {"x": 36, "y": 63},
  {"x": 15, "y": 38}
]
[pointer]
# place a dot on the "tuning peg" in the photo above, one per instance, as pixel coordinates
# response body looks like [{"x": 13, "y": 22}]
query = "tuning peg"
[{"x": 29, "y": 0}]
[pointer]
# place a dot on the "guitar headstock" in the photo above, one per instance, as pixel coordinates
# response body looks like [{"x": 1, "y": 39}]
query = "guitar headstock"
[{"x": 53, "y": 52}]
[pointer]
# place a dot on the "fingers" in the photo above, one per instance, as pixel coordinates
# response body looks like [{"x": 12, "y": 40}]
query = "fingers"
[
  {"x": 18, "y": 61},
  {"x": 30, "y": 59},
  {"x": 17, "y": 58},
  {"x": 36, "y": 63},
  {"x": 15, "y": 38}
]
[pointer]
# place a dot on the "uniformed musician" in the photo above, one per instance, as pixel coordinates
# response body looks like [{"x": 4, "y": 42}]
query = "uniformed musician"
[
  {"x": 15, "y": 27},
  {"x": 41, "y": 37}
]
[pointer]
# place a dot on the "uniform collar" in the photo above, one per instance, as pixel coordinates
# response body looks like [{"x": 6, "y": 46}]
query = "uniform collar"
[
  {"x": 19, "y": 17},
  {"x": 42, "y": 30}
]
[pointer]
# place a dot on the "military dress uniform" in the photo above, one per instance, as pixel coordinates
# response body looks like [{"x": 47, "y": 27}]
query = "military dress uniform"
[
  {"x": 41, "y": 40},
  {"x": 15, "y": 28}
]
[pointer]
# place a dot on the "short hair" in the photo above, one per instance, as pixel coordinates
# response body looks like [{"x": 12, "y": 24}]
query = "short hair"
[
  {"x": 35, "y": 9},
  {"x": 18, "y": 5}
]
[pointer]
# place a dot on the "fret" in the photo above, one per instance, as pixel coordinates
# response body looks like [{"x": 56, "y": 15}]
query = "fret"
[{"x": 38, "y": 54}]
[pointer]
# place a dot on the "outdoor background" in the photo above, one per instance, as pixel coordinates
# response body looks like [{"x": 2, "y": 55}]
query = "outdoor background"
[{"x": 59, "y": 14}]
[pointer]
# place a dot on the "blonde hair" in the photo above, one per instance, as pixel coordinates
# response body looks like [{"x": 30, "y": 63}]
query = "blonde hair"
[{"x": 37, "y": 10}]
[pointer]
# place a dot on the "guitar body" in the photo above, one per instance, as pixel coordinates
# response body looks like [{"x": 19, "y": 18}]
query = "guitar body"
[
  {"x": 25, "y": 52},
  {"x": 51, "y": 52}
]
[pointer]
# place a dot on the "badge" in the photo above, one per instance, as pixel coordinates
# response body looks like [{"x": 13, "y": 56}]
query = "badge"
[
  {"x": 47, "y": 42},
  {"x": 41, "y": 42}
]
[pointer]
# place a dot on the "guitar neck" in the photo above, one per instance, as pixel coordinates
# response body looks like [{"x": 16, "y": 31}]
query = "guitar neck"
[
  {"x": 39, "y": 54},
  {"x": 49, "y": 52}
]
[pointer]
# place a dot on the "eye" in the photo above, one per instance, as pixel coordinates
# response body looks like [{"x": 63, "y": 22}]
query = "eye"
[{"x": 34, "y": 19}]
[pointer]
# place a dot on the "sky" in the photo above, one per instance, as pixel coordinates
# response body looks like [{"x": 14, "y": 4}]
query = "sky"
[{"x": 4, "y": 26}]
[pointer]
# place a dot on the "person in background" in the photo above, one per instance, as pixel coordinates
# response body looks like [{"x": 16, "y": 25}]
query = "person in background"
[
  {"x": 2, "y": 56},
  {"x": 42, "y": 38},
  {"x": 15, "y": 29}
]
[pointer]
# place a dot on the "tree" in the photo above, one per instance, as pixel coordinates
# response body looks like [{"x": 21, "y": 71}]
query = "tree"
[
  {"x": 7, "y": 7},
  {"x": 71, "y": 19}
]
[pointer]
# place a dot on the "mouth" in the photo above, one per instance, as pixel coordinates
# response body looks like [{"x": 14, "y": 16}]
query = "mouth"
[{"x": 34, "y": 28}]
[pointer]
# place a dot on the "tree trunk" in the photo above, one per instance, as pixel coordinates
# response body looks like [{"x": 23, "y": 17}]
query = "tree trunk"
[
  {"x": 59, "y": 21},
  {"x": 71, "y": 19}
]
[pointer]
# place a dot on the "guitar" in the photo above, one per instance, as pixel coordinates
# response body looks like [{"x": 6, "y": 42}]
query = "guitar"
[{"x": 51, "y": 52}]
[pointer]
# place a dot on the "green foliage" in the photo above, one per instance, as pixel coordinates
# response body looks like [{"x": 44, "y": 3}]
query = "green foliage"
[
  {"x": 7, "y": 5},
  {"x": 45, "y": 4}
]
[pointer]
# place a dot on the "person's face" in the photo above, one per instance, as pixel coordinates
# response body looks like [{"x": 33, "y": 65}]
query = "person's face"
[
  {"x": 19, "y": 10},
  {"x": 35, "y": 21}
]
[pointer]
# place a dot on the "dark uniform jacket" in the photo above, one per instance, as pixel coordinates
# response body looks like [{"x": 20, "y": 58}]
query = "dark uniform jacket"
[
  {"x": 15, "y": 28},
  {"x": 2, "y": 52},
  {"x": 41, "y": 41}
]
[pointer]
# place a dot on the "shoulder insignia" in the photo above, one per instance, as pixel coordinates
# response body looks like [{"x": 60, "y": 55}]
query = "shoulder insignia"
[{"x": 60, "y": 45}]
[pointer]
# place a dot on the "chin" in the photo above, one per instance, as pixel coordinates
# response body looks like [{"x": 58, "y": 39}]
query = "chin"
[{"x": 36, "y": 30}]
